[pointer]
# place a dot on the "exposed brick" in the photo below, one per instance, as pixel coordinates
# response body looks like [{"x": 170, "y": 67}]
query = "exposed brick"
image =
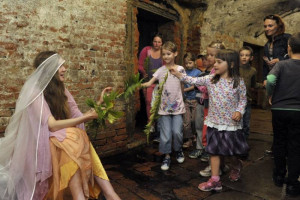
[{"x": 119, "y": 138}]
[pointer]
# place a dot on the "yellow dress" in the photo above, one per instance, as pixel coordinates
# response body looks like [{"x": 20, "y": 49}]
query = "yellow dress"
[{"x": 74, "y": 153}]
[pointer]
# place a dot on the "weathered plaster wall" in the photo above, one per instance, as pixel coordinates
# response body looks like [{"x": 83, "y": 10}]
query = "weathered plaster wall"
[{"x": 236, "y": 21}]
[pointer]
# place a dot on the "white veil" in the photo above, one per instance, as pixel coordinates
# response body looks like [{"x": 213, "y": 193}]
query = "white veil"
[{"x": 19, "y": 146}]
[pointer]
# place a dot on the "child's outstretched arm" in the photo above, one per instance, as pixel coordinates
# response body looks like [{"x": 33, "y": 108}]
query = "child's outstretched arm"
[
  {"x": 189, "y": 79},
  {"x": 147, "y": 84}
]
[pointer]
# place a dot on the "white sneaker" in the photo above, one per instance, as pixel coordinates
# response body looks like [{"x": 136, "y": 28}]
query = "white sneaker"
[
  {"x": 180, "y": 156},
  {"x": 165, "y": 164},
  {"x": 207, "y": 172}
]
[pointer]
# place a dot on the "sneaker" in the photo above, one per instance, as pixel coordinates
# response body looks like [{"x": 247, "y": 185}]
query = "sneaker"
[
  {"x": 196, "y": 153},
  {"x": 179, "y": 156},
  {"x": 207, "y": 172},
  {"x": 204, "y": 157},
  {"x": 156, "y": 140},
  {"x": 235, "y": 175},
  {"x": 166, "y": 164},
  {"x": 210, "y": 185}
]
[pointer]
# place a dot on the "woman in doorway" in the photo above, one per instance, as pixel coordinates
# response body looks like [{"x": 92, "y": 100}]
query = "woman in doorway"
[
  {"x": 150, "y": 60},
  {"x": 276, "y": 47}
]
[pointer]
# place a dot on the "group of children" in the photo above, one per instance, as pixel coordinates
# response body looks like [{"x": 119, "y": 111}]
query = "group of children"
[{"x": 219, "y": 95}]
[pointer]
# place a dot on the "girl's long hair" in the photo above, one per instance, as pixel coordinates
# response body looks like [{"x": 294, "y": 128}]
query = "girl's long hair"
[
  {"x": 55, "y": 91},
  {"x": 233, "y": 61}
]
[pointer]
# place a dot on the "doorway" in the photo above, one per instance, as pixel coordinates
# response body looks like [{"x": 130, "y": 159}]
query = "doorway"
[{"x": 150, "y": 23}]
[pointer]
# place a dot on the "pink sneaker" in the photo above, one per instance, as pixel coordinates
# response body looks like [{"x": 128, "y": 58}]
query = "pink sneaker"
[
  {"x": 210, "y": 185},
  {"x": 235, "y": 175}
]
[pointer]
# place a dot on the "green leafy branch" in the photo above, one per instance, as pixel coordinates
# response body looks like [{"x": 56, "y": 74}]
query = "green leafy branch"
[
  {"x": 155, "y": 108},
  {"x": 131, "y": 84},
  {"x": 105, "y": 111}
]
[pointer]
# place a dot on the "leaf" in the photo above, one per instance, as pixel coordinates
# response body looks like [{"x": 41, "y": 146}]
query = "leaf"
[
  {"x": 154, "y": 110},
  {"x": 90, "y": 103}
]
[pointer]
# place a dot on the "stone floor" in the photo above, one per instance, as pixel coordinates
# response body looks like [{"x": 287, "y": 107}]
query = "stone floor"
[{"x": 136, "y": 175}]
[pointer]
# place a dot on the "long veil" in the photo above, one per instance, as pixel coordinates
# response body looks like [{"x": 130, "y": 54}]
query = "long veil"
[{"x": 19, "y": 146}]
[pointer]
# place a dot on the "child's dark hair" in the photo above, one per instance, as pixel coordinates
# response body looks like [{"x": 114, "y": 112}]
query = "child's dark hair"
[
  {"x": 233, "y": 61},
  {"x": 189, "y": 56},
  {"x": 294, "y": 42},
  {"x": 248, "y": 49},
  {"x": 170, "y": 46}
]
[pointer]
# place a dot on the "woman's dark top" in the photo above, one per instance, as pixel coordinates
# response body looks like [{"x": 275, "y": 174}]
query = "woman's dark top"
[{"x": 280, "y": 44}]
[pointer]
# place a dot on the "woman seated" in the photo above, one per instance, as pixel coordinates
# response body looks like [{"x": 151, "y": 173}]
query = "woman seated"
[{"x": 46, "y": 150}]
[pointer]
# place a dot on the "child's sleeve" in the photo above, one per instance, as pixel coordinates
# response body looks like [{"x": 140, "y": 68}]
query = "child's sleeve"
[
  {"x": 255, "y": 84},
  {"x": 272, "y": 78},
  {"x": 195, "y": 80},
  {"x": 242, "y": 97}
]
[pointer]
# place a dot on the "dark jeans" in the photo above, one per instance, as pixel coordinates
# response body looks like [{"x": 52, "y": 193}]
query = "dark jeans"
[{"x": 286, "y": 143}]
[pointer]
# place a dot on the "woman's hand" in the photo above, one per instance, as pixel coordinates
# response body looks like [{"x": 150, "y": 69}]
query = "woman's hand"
[
  {"x": 91, "y": 114},
  {"x": 273, "y": 62},
  {"x": 236, "y": 116},
  {"x": 105, "y": 90},
  {"x": 173, "y": 70}
]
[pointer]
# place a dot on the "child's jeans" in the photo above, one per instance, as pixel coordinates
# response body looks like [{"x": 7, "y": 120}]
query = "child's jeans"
[
  {"x": 246, "y": 120},
  {"x": 189, "y": 118},
  {"x": 199, "y": 122},
  {"x": 170, "y": 130}
]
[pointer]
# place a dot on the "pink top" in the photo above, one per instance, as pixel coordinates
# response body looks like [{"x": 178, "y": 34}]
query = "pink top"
[
  {"x": 143, "y": 55},
  {"x": 171, "y": 99}
]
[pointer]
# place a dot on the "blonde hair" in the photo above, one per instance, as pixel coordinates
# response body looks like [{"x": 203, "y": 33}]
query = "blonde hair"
[
  {"x": 170, "y": 46},
  {"x": 217, "y": 45}
]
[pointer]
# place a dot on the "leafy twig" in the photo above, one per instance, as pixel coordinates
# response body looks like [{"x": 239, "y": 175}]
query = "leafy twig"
[
  {"x": 105, "y": 111},
  {"x": 154, "y": 109}
]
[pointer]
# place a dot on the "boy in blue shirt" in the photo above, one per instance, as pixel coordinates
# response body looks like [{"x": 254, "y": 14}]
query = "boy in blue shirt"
[{"x": 189, "y": 100}]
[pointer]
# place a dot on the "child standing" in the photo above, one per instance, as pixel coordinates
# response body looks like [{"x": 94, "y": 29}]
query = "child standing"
[
  {"x": 248, "y": 73},
  {"x": 227, "y": 93},
  {"x": 283, "y": 88},
  {"x": 171, "y": 107},
  {"x": 202, "y": 100},
  {"x": 190, "y": 101},
  {"x": 212, "y": 49}
]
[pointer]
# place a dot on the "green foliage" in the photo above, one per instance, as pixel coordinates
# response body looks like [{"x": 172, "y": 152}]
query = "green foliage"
[
  {"x": 132, "y": 84},
  {"x": 105, "y": 111},
  {"x": 154, "y": 109}
]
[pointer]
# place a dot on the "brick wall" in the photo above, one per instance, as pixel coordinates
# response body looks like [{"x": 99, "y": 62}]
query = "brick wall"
[{"x": 89, "y": 34}]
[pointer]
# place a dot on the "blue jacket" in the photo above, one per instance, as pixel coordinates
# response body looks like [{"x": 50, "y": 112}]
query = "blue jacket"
[{"x": 280, "y": 44}]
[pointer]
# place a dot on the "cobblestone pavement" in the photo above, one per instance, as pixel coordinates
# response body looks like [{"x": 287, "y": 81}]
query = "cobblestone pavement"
[{"x": 136, "y": 175}]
